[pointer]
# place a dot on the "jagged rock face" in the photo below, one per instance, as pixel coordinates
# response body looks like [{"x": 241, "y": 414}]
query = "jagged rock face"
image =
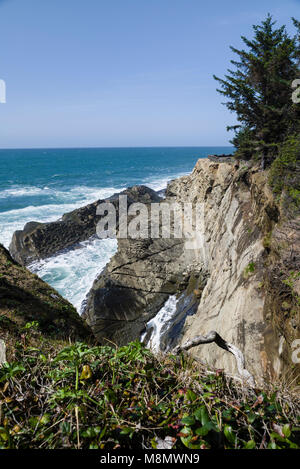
[
  {"x": 42, "y": 240},
  {"x": 282, "y": 288},
  {"x": 137, "y": 282},
  {"x": 239, "y": 214},
  {"x": 228, "y": 250},
  {"x": 232, "y": 252},
  {"x": 133, "y": 287}
]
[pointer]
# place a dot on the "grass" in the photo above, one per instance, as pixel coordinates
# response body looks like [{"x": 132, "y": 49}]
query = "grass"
[
  {"x": 249, "y": 270},
  {"x": 107, "y": 398}
]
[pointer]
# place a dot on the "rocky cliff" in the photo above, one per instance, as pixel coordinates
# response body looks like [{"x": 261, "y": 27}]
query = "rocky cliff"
[
  {"x": 234, "y": 279},
  {"x": 238, "y": 275}
]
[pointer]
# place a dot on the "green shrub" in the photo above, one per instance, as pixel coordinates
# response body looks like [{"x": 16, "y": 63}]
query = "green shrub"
[{"x": 285, "y": 172}]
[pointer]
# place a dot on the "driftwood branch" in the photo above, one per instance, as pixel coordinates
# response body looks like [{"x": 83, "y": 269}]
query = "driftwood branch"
[{"x": 213, "y": 336}]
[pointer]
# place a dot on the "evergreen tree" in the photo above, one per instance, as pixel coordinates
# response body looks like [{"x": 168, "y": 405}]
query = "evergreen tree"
[{"x": 259, "y": 90}]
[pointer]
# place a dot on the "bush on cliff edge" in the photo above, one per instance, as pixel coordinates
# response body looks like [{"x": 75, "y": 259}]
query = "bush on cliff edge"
[{"x": 285, "y": 173}]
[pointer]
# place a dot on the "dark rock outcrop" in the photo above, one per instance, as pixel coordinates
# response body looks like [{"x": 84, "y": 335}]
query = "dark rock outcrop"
[
  {"x": 137, "y": 281},
  {"x": 42, "y": 240},
  {"x": 221, "y": 158}
]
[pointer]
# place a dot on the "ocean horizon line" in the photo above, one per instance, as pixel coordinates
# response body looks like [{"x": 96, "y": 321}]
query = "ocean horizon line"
[{"x": 115, "y": 147}]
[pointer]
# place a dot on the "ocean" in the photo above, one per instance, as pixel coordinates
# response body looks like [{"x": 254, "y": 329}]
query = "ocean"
[{"x": 43, "y": 184}]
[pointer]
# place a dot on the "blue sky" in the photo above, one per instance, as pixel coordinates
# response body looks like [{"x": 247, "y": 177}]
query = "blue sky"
[{"x": 121, "y": 72}]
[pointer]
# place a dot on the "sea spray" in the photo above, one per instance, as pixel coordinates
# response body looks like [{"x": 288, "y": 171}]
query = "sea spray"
[
  {"x": 158, "y": 326},
  {"x": 164, "y": 330},
  {"x": 73, "y": 271},
  {"x": 44, "y": 205}
]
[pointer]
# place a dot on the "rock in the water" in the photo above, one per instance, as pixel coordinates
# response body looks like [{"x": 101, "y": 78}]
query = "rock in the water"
[{"x": 42, "y": 240}]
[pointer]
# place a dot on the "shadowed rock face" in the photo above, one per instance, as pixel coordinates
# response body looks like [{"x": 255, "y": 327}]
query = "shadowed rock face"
[
  {"x": 25, "y": 298},
  {"x": 137, "y": 282},
  {"x": 42, "y": 240}
]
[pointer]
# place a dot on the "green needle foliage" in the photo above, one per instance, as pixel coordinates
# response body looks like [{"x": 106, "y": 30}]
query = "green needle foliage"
[
  {"x": 258, "y": 89},
  {"x": 105, "y": 398},
  {"x": 284, "y": 175}
]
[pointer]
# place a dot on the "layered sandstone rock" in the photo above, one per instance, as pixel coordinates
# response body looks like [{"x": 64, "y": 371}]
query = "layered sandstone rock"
[{"x": 135, "y": 285}]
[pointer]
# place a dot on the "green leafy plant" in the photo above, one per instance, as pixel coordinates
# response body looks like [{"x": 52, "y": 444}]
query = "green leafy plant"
[{"x": 106, "y": 398}]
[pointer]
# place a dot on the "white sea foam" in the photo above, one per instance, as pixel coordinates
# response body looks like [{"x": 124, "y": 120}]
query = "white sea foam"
[
  {"x": 20, "y": 191},
  {"x": 79, "y": 196},
  {"x": 160, "y": 324},
  {"x": 72, "y": 272},
  {"x": 161, "y": 183},
  {"x": 83, "y": 192}
]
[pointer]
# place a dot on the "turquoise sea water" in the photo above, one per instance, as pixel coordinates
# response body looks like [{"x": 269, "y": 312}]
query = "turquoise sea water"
[{"x": 42, "y": 184}]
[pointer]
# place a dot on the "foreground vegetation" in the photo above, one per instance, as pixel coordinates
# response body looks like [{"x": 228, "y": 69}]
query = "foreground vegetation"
[{"x": 106, "y": 398}]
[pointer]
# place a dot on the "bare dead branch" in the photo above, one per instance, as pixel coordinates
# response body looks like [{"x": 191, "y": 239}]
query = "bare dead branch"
[{"x": 213, "y": 336}]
